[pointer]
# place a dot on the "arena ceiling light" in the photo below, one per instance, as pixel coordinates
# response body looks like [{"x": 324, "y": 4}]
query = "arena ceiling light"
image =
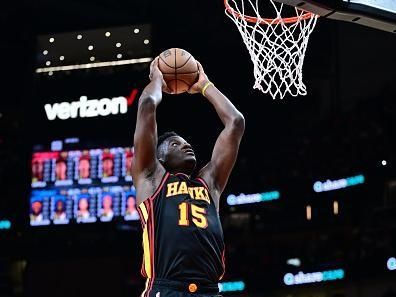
[{"x": 104, "y": 42}]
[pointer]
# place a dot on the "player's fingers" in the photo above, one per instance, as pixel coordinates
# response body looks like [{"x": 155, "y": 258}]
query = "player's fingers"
[{"x": 200, "y": 68}]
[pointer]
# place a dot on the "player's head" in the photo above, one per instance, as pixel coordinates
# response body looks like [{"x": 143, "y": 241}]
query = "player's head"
[
  {"x": 83, "y": 167},
  {"x": 107, "y": 202},
  {"x": 108, "y": 166},
  {"x": 131, "y": 203},
  {"x": 37, "y": 167},
  {"x": 83, "y": 204},
  {"x": 175, "y": 153},
  {"x": 37, "y": 207},
  {"x": 60, "y": 206},
  {"x": 60, "y": 169}
]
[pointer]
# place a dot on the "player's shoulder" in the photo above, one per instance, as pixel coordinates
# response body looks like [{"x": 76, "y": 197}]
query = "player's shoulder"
[{"x": 147, "y": 184}]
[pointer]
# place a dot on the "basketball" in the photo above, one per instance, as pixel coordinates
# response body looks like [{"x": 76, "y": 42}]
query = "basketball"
[{"x": 179, "y": 68}]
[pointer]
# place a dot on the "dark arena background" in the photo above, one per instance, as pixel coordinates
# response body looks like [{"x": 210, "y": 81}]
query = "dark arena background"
[{"x": 309, "y": 210}]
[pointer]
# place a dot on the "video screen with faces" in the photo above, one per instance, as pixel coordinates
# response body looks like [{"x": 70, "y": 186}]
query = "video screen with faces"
[{"x": 82, "y": 186}]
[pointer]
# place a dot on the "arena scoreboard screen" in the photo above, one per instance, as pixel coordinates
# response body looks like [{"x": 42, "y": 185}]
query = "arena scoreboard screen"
[
  {"x": 82, "y": 123},
  {"x": 82, "y": 186}
]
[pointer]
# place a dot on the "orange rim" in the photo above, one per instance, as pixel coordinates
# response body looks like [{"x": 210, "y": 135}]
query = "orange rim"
[{"x": 251, "y": 19}]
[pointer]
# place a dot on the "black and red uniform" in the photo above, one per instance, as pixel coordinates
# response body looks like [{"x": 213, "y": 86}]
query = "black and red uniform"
[{"x": 182, "y": 239}]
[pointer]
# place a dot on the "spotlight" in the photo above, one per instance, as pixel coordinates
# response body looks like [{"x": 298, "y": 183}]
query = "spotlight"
[
  {"x": 90, "y": 47},
  {"x": 107, "y": 34},
  {"x": 309, "y": 212},
  {"x": 119, "y": 56},
  {"x": 45, "y": 52},
  {"x": 48, "y": 63},
  {"x": 61, "y": 58},
  {"x": 118, "y": 44},
  {"x": 136, "y": 31},
  {"x": 335, "y": 207},
  {"x": 50, "y": 73},
  {"x": 146, "y": 41},
  {"x": 79, "y": 36},
  {"x": 92, "y": 59},
  {"x": 384, "y": 162},
  {"x": 52, "y": 39}
]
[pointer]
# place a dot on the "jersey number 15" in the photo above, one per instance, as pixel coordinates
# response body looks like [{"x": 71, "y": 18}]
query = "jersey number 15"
[{"x": 198, "y": 215}]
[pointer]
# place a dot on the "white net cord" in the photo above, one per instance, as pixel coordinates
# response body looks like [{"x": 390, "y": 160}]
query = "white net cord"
[{"x": 277, "y": 49}]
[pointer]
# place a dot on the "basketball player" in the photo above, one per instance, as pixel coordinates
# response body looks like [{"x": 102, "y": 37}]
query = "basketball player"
[{"x": 182, "y": 235}]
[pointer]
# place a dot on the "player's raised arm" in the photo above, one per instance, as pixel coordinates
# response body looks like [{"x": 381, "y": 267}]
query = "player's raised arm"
[
  {"x": 218, "y": 170},
  {"x": 145, "y": 163}
]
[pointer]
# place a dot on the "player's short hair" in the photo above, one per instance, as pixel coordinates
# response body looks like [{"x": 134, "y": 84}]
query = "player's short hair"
[
  {"x": 165, "y": 136},
  {"x": 161, "y": 139}
]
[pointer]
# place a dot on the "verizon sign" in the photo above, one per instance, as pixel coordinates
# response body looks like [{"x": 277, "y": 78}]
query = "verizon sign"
[{"x": 85, "y": 108}]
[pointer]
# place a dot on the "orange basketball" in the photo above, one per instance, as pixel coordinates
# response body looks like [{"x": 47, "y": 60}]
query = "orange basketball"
[{"x": 179, "y": 68}]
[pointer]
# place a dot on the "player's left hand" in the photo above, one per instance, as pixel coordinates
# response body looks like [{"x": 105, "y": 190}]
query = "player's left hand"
[
  {"x": 202, "y": 80},
  {"x": 156, "y": 74}
]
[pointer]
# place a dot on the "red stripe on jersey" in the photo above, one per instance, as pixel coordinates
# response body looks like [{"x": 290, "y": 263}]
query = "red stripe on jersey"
[
  {"x": 151, "y": 240},
  {"x": 164, "y": 178},
  {"x": 203, "y": 182},
  {"x": 142, "y": 222}
]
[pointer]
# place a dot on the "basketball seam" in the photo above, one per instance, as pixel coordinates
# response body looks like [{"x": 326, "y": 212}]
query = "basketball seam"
[
  {"x": 175, "y": 73},
  {"x": 185, "y": 62},
  {"x": 165, "y": 62}
]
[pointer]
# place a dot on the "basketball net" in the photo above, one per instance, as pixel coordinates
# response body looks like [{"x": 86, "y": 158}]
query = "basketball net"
[{"x": 276, "y": 46}]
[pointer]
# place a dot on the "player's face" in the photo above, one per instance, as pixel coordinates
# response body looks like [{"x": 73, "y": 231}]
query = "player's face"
[
  {"x": 108, "y": 167},
  {"x": 129, "y": 164},
  {"x": 37, "y": 167},
  {"x": 36, "y": 207},
  {"x": 83, "y": 204},
  {"x": 83, "y": 168},
  {"x": 179, "y": 154},
  {"x": 60, "y": 170},
  {"x": 131, "y": 203},
  {"x": 59, "y": 205},
  {"x": 107, "y": 202}
]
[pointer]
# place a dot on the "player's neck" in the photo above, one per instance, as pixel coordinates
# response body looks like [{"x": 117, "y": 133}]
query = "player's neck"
[{"x": 181, "y": 171}]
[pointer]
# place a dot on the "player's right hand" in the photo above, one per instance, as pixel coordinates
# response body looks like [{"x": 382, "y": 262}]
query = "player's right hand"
[
  {"x": 156, "y": 74},
  {"x": 201, "y": 82}
]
